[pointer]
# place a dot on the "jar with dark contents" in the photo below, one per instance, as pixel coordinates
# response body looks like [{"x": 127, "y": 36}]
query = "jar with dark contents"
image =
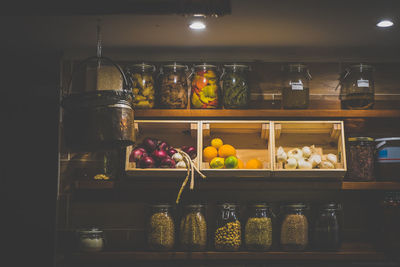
[
  {"x": 327, "y": 228},
  {"x": 236, "y": 93},
  {"x": 294, "y": 229},
  {"x": 193, "y": 228},
  {"x": 258, "y": 228},
  {"x": 389, "y": 238},
  {"x": 228, "y": 235},
  {"x": 296, "y": 86},
  {"x": 161, "y": 228},
  {"x": 173, "y": 93},
  {"x": 360, "y": 159}
]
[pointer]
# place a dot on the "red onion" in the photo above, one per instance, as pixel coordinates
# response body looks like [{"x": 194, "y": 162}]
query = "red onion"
[
  {"x": 147, "y": 162},
  {"x": 167, "y": 163},
  {"x": 159, "y": 155},
  {"x": 171, "y": 151},
  {"x": 191, "y": 151},
  {"x": 163, "y": 146},
  {"x": 137, "y": 154},
  {"x": 149, "y": 144}
]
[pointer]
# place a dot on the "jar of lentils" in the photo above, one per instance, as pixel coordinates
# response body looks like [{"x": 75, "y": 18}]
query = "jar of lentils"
[
  {"x": 258, "y": 229},
  {"x": 360, "y": 159},
  {"x": 228, "y": 233},
  {"x": 193, "y": 228},
  {"x": 294, "y": 229},
  {"x": 161, "y": 228}
]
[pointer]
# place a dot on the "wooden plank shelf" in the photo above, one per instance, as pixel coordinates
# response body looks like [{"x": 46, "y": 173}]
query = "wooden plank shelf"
[
  {"x": 94, "y": 185},
  {"x": 371, "y": 185},
  {"x": 265, "y": 113}
]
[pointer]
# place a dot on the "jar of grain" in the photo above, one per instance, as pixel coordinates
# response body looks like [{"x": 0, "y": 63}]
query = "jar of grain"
[
  {"x": 193, "y": 228},
  {"x": 91, "y": 240},
  {"x": 360, "y": 158},
  {"x": 258, "y": 229},
  {"x": 161, "y": 228},
  {"x": 294, "y": 229},
  {"x": 228, "y": 235}
]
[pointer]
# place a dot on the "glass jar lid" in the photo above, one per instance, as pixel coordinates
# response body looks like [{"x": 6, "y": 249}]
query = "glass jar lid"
[
  {"x": 229, "y": 206},
  {"x": 360, "y": 139},
  {"x": 361, "y": 67},
  {"x": 237, "y": 66},
  {"x": 161, "y": 205},
  {"x": 295, "y": 205},
  {"x": 331, "y": 206},
  {"x": 143, "y": 67},
  {"x": 175, "y": 66},
  {"x": 259, "y": 205},
  {"x": 92, "y": 230},
  {"x": 205, "y": 66}
]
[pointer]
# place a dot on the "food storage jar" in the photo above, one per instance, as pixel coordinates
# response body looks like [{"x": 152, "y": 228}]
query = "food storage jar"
[
  {"x": 161, "y": 228},
  {"x": 173, "y": 91},
  {"x": 205, "y": 91},
  {"x": 294, "y": 228},
  {"x": 360, "y": 159},
  {"x": 228, "y": 235},
  {"x": 193, "y": 228},
  {"x": 143, "y": 85},
  {"x": 327, "y": 228},
  {"x": 389, "y": 232},
  {"x": 258, "y": 228},
  {"x": 296, "y": 86},
  {"x": 388, "y": 158},
  {"x": 357, "y": 87},
  {"x": 91, "y": 240},
  {"x": 236, "y": 93}
]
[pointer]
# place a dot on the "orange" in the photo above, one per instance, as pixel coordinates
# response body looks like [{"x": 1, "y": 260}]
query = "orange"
[
  {"x": 240, "y": 164},
  {"x": 226, "y": 150},
  {"x": 209, "y": 153},
  {"x": 254, "y": 164}
]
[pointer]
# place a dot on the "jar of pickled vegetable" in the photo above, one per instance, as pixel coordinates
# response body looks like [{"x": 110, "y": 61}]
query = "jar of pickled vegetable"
[
  {"x": 327, "y": 228},
  {"x": 205, "y": 91},
  {"x": 161, "y": 228},
  {"x": 360, "y": 159},
  {"x": 236, "y": 93},
  {"x": 294, "y": 229},
  {"x": 142, "y": 78},
  {"x": 357, "y": 87},
  {"x": 193, "y": 228},
  {"x": 173, "y": 91},
  {"x": 258, "y": 228},
  {"x": 296, "y": 87},
  {"x": 228, "y": 235}
]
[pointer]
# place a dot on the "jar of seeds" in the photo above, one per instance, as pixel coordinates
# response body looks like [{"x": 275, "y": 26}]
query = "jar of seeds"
[
  {"x": 193, "y": 228},
  {"x": 258, "y": 229},
  {"x": 161, "y": 228},
  {"x": 228, "y": 235},
  {"x": 294, "y": 229}
]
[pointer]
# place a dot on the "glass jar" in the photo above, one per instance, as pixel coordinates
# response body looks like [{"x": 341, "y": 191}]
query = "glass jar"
[
  {"x": 258, "y": 229},
  {"x": 205, "y": 91},
  {"x": 91, "y": 240},
  {"x": 296, "y": 87},
  {"x": 294, "y": 229},
  {"x": 360, "y": 159},
  {"x": 327, "y": 228},
  {"x": 142, "y": 78},
  {"x": 236, "y": 93},
  {"x": 173, "y": 91},
  {"x": 228, "y": 235},
  {"x": 193, "y": 228},
  {"x": 161, "y": 228},
  {"x": 357, "y": 87},
  {"x": 390, "y": 232}
]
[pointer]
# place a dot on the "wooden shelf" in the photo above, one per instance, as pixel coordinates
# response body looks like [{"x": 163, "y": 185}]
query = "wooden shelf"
[
  {"x": 371, "y": 185},
  {"x": 265, "y": 113},
  {"x": 101, "y": 184}
]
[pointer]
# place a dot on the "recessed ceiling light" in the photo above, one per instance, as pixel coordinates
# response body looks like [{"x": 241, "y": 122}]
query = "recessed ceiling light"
[
  {"x": 197, "y": 25},
  {"x": 385, "y": 23}
]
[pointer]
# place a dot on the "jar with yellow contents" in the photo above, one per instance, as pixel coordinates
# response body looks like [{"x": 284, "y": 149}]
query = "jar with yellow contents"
[
  {"x": 205, "y": 90},
  {"x": 228, "y": 234}
]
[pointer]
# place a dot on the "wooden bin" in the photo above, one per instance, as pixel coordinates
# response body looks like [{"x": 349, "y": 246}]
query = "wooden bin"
[
  {"x": 326, "y": 136},
  {"x": 251, "y": 139},
  {"x": 175, "y": 133}
]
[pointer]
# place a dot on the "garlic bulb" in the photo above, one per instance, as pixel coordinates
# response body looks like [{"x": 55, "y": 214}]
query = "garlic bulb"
[
  {"x": 332, "y": 158},
  {"x": 291, "y": 163},
  {"x": 306, "y": 152},
  {"x": 303, "y": 164},
  {"x": 327, "y": 165},
  {"x": 177, "y": 157},
  {"x": 180, "y": 164},
  {"x": 296, "y": 154},
  {"x": 281, "y": 155},
  {"x": 315, "y": 160}
]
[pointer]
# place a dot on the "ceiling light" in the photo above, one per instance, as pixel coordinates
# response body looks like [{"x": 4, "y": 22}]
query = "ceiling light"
[
  {"x": 385, "y": 23},
  {"x": 197, "y": 25}
]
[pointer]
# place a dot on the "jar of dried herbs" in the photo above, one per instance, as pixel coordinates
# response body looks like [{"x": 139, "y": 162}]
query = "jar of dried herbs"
[
  {"x": 360, "y": 157},
  {"x": 294, "y": 229},
  {"x": 296, "y": 86},
  {"x": 258, "y": 229},
  {"x": 236, "y": 93},
  {"x": 193, "y": 228},
  {"x": 161, "y": 228},
  {"x": 228, "y": 235}
]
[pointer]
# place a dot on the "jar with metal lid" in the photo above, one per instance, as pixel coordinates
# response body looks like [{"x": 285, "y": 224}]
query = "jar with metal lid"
[
  {"x": 193, "y": 228},
  {"x": 143, "y": 85},
  {"x": 360, "y": 159},
  {"x": 258, "y": 228},
  {"x": 91, "y": 240},
  {"x": 236, "y": 93},
  {"x": 327, "y": 228},
  {"x": 296, "y": 86},
  {"x": 161, "y": 228},
  {"x": 294, "y": 228},
  {"x": 173, "y": 91},
  {"x": 357, "y": 87},
  {"x": 228, "y": 235},
  {"x": 205, "y": 90},
  {"x": 388, "y": 158}
]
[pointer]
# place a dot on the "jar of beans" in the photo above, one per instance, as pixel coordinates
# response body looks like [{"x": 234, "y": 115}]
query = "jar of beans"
[
  {"x": 360, "y": 159},
  {"x": 228, "y": 234},
  {"x": 294, "y": 229}
]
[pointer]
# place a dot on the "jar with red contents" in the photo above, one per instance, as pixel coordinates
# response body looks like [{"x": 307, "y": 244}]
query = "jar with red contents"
[{"x": 205, "y": 88}]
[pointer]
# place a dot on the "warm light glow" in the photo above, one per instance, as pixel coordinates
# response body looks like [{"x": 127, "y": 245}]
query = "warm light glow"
[
  {"x": 385, "y": 23},
  {"x": 197, "y": 25}
]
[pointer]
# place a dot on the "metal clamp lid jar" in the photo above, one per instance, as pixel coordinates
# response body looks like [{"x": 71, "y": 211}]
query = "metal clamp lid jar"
[
  {"x": 228, "y": 235},
  {"x": 360, "y": 158},
  {"x": 142, "y": 81},
  {"x": 91, "y": 240},
  {"x": 161, "y": 227},
  {"x": 258, "y": 228},
  {"x": 205, "y": 90},
  {"x": 294, "y": 228},
  {"x": 173, "y": 91},
  {"x": 236, "y": 93},
  {"x": 296, "y": 86},
  {"x": 193, "y": 228}
]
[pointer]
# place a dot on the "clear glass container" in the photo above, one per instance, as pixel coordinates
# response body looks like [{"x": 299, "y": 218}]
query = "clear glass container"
[
  {"x": 161, "y": 228},
  {"x": 205, "y": 90},
  {"x": 294, "y": 228},
  {"x": 91, "y": 240},
  {"x": 360, "y": 159},
  {"x": 357, "y": 87},
  {"x": 327, "y": 228},
  {"x": 143, "y": 85},
  {"x": 296, "y": 87},
  {"x": 258, "y": 228},
  {"x": 193, "y": 228},
  {"x": 173, "y": 93},
  {"x": 236, "y": 93},
  {"x": 228, "y": 235}
]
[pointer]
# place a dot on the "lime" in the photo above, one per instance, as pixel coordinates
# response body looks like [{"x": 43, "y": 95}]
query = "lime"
[
  {"x": 217, "y": 163},
  {"x": 231, "y": 162}
]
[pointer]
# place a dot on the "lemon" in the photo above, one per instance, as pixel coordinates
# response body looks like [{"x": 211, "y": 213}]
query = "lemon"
[
  {"x": 231, "y": 162},
  {"x": 217, "y": 163},
  {"x": 217, "y": 143}
]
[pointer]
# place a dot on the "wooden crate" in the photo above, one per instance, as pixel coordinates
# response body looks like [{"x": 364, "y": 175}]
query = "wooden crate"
[
  {"x": 326, "y": 136},
  {"x": 175, "y": 133},
  {"x": 251, "y": 139}
]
